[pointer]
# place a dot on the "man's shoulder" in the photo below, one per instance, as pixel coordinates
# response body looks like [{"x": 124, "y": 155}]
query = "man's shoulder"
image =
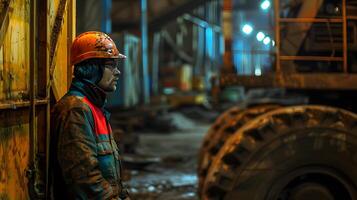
[{"x": 70, "y": 102}]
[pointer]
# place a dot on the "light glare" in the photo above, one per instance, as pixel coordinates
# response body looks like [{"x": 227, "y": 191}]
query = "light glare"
[
  {"x": 258, "y": 72},
  {"x": 260, "y": 36},
  {"x": 265, "y": 4},
  {"x": 266, "y": 40},
  {"x": 247, "y": 29}
]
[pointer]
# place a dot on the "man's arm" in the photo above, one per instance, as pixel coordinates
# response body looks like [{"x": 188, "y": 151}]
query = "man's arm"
[{"x": 77, "y": 153}]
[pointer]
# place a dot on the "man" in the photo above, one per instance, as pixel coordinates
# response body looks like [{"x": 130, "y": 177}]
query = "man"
[{"x": 85, "y": 158}]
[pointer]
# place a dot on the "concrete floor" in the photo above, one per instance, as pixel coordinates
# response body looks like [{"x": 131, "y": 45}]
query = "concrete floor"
[{"x": 173, "y": 175}]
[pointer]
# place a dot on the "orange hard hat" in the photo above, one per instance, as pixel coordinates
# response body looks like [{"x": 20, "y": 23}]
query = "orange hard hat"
[{"x": 93, "y": 44}]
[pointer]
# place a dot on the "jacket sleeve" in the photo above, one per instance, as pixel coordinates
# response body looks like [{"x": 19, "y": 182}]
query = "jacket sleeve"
[{"x": 77, "y": 156}]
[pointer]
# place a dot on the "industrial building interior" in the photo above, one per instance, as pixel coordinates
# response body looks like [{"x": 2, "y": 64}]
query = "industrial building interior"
[{"x": 217, "y": 99}]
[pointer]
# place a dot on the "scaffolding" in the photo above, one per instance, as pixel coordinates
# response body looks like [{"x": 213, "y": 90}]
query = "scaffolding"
[{"x": 341, "y": 80}]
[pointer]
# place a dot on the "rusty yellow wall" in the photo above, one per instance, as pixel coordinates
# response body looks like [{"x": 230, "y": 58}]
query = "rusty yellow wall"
[
  {"x": 15, "y": 66},
  {"x": 24, "y": 123},
  {"x": 14, "y": 154},
  {"x": 14, "y": 88},
  {"x": 62, "y": 70}
]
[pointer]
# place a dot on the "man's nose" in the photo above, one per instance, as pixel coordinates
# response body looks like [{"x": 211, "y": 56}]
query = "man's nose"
[{"x": 116, "y": 71}]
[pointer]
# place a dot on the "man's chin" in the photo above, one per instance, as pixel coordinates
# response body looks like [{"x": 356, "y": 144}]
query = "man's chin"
[{"x": 110, "y": 89}]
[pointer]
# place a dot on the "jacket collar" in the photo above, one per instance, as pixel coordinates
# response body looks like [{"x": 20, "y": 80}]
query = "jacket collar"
[{"x": 86, "y": 88}]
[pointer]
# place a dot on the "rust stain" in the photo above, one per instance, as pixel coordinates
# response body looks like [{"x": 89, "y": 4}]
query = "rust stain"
[
  {"x": 56, "y": 29},
  {"x": 14, "y": 153},
  {"x": 99, "y": 43},
  {"x": 15, "y": 52},
  {"x": 61, "y": 74},
  {"x": 14, "y": 87}
]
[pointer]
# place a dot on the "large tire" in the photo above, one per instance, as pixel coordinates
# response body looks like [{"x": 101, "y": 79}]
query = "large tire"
[
  {"x": 300, "y": 152},
  {"x": 215, "y": 141},
  {"x": 223, "y": 119}
]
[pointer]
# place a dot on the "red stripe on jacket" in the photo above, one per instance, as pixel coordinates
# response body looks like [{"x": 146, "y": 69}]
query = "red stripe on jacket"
[{"x": 100, "y": 123}]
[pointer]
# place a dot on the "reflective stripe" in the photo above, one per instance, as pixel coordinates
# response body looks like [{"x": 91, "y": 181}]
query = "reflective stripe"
[{"x": 100, "y": 123}]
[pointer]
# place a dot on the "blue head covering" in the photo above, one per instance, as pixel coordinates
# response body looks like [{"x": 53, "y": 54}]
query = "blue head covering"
[{"x": 90, "y": 70}]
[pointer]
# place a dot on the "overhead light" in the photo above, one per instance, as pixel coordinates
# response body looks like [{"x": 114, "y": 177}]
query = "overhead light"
[
  {"x": 260, "y": 36},
  {"x": 247, "y": 29},
  {"x": 266, "y": 40},
  {"x": 265, "y": 4},
  {"x": 258, "y": 71}
]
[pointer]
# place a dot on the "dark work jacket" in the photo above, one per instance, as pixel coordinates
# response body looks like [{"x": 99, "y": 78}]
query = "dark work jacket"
[{"x": 84, "y": 160}]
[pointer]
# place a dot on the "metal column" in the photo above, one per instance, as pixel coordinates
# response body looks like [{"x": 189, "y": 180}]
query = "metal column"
[
  {"x": 344, "y": 32},
  {"x": 144, "y": 52},
  {"x": 277, "y": 34},
  {"x": 155, "y": 62},
  {"x": 106, "y": 23}
]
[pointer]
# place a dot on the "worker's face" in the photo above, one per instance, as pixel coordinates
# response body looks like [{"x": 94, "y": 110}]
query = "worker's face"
[{"x": 110, "y": 76}]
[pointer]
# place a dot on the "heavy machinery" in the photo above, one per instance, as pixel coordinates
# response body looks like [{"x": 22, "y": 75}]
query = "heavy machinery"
[{"x": 305, "y": 151}]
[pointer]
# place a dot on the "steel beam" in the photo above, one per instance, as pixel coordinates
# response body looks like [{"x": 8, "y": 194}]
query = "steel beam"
[
  {"x": 201, "y": 22},
  {"x": 178, "y": 51},
  {"x": 311, "y": 58},
  {"x": 4, "y": 20},
  {"x": 56, "y": 30},
  {"x": 158, "y": 22},
  {"x": 321, "y": 81},
  {"x": 344, "y": 32},
  {"x": 21, "y": 104},
  {"x": 155, "y": 62},
  {"x": 277, "y": 35},
  {"x": 311, "y": 20},
  {"x": 106, "y": 22},
  {"x": 162, "y": 20},
  {"x": 44, "y": 43},
  {"x": 144, "y": 52}
]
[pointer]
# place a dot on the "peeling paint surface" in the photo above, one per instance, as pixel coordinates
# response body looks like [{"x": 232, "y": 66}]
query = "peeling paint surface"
[
  {"x": 14, "y": 87},
  {"x": 15, "y": 63},
  {"x": 15, "y": 58},
  {"x": 14, "y": 154},
  {"x": 61, "y": 61},
  {"x": 60, "y": 86}
]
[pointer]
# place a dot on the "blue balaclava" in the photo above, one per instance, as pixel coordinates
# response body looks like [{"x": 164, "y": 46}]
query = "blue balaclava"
[
  {"x": 87, "y": 75},
  {"x": 90, "y": 70}
]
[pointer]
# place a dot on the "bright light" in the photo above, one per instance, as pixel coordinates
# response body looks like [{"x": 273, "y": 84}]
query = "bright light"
[
  {"x": 258, "y": 72},
  {"x": 266, "y": 40},
  {"x": 273, "y": 42},
  {"x": 265, "y": 4},
  {"x": 247, "y": 29},
  {"x": 260, "y": 36}
]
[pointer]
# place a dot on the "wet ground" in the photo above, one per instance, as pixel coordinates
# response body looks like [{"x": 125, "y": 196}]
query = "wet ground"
[{"x": 172, "y": 172}]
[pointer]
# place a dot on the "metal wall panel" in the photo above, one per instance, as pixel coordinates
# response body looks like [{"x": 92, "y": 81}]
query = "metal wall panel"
[
  {"x": 14, "y": 67},
  {"x": 14, "y": 154},
  {"x": 14, "y": 90},
  {"x": 35, "y": 35},
  {"x": 61, "y": 61},
  {"x": 62, "y": 26}
]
